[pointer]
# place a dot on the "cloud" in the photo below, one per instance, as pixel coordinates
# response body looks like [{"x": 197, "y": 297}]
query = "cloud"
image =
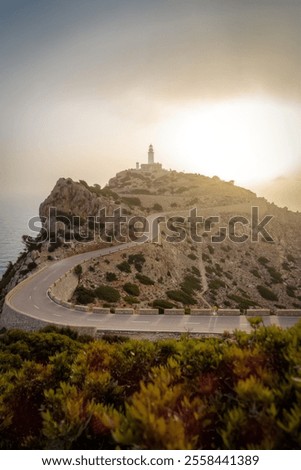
[
  {"x": 167, "y": 50},
  {"x": 203, "y": 54},
  {"x": 74, "y": 75}
]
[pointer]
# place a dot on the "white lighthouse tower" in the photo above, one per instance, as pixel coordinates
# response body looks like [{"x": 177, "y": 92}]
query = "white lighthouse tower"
[
  {"x": 150, "y": 155},
  {"x": 150, "y": 166}
]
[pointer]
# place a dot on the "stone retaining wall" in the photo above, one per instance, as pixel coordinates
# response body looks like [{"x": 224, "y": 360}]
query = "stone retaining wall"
[
  {"x": 201, "y": 311},
  {"x": 101, "y": 310},
  {"x": 257, "y": 312},
  {"x": 10, "y": 318},
  {"x": 174, "y": 311},
  {"x": 148, "y": 311},
  {"x": 82, "y": 308},
  {"x": 125, "y": 311},
  {"x": 227, "y": 312},
  {"x": 67, "y": 304},
  {"x": 64, "y": 287},
  {"x": 288, "y": 313}
]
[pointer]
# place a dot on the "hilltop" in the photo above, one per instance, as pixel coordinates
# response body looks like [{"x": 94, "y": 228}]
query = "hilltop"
[{"x": 172, "y": 189}]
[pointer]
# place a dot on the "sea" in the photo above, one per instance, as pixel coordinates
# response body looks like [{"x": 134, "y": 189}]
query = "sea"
[{"x": 14, "y": 219}]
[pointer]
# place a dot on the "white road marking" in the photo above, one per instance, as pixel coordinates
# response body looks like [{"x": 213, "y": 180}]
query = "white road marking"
[
  {"x": 57, "y": 315},
  {"x": 35, "y": 306},
  {"x": 30, "y": 297}
]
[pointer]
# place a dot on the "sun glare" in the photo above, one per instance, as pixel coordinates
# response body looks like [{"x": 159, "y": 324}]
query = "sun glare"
[{"x": 249, "y": 140}]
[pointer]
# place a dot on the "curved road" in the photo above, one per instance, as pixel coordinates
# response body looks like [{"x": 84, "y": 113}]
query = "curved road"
[{"x": 30, "y": 298}]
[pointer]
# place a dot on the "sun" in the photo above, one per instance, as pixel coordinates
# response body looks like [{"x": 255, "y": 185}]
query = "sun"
[{"x": 248, "y": 139}]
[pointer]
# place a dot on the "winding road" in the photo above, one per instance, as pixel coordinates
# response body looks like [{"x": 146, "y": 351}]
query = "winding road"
[{"x": 30, "y": 298}]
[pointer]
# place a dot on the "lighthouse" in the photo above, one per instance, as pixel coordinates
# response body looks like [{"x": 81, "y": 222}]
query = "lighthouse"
[
  {"x": 150, "y": 155},
  {"x": 150, "y": 166}
]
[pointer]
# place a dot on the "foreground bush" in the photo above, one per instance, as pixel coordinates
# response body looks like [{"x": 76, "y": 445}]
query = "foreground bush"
[{"x": 61, "y": 391}]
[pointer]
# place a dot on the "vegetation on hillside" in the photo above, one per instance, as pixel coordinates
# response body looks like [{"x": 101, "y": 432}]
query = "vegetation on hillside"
[
  {"x": 61, "y": 391},
  {"x": 96, "y": 189}
]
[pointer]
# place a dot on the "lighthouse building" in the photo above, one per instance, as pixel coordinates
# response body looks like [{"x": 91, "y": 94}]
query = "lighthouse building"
[{"x": 151, "y": 166}]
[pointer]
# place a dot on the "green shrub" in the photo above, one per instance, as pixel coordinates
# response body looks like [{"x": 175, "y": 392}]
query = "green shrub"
[
  {"x": 110, "y": 277},
  {"x": 275, "y": 275},
  {"x": 157, "y": 207},
  {"x": 31, "y": 266},
  {"x": 228, "y": 275},
  {"x": 209, "y": 270},
  {"x": 290, "y": 290},
  {"x": 78, "y": 270},
  {"x": 181, "y": 296},
  {"x": 216, "y": 284},
  {"x": 267, "y": 293},
  {"x": 192, "y": 256},
  {"x": 124, "y": 267},
  {"x": 140, "y": 191},
  {"x": 211, "y": 249},
  {"x": 191, "y": 284},
  {"x": 131, "y": 201},
  {"x": 137, "y": 260},
  {"x": 161, "y": 304},
  {"x": 263, "y": 260},
  {"x": 107, "y": 192},
  {"x": 242, "y": 302},
  {"x": 286, "y": 266},
  {"x": 129, "y": 299},
  {"x": 206, "y": 257},
  {"x": 131, "y": 289},
  {"x": 8, "y": 274},
  {"x": 83, "y": 295},
  {"x": 107, "y": 293},
  {"x": 226, "y": 248},
  {"x": 218, "y": 267},
  {"x": 195, "y": 271},
  {"x": 145, "y": 279},
  {"x": 181, "y": 190},
  {"x": 255, "y": 273},
  {"x": 53, "y": 245}
]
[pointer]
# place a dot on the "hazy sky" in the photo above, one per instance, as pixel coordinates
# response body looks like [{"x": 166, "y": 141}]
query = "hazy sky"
[{"x": 87, "y": 85}]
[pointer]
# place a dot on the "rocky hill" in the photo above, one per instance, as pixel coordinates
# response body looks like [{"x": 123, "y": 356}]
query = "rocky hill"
[
  {"x": 172, "y": 189},
  {"x": 224, "y": 267},
  {"x": 226, "y": 274}
]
